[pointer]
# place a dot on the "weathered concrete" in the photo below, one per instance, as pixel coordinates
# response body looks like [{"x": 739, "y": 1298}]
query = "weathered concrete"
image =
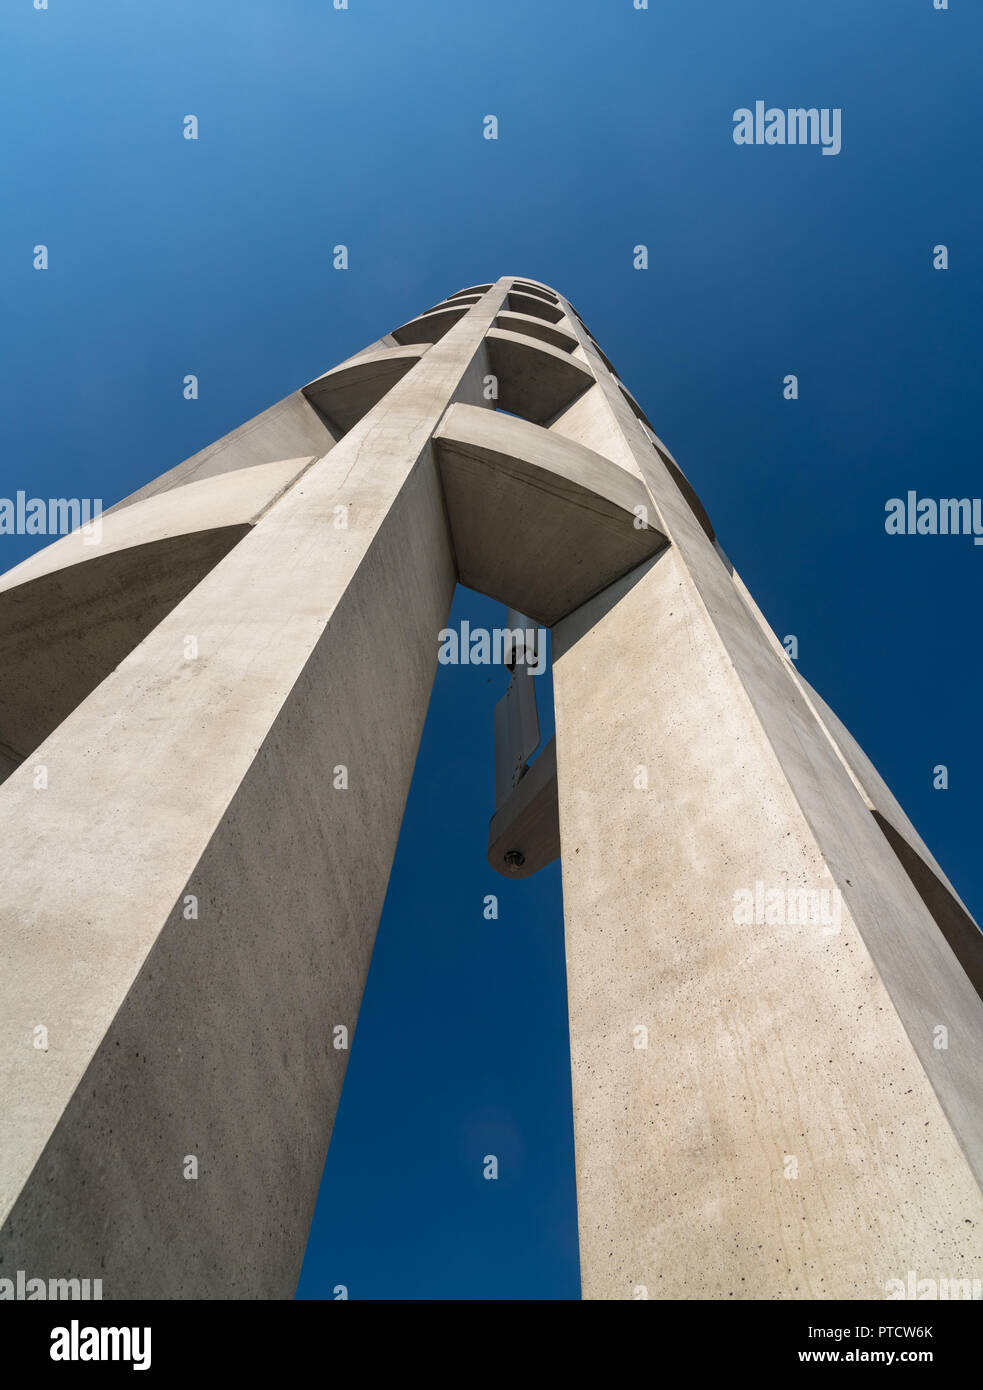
[
  {"x": 73, "y": 611},
  {"x": 793, "y": 1127}
]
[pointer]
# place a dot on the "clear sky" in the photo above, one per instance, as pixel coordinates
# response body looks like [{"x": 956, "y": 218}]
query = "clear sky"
[{"x": 364, "y": 127}]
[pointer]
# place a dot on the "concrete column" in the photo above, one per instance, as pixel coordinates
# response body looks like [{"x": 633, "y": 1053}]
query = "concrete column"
[
  {"x": 791, "y": 1127},
  {"x": 751, "y": 1117},
  {"x": 190, "y": 901}
]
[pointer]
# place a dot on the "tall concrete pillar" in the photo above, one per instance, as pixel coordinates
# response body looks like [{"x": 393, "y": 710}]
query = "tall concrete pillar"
[
  {"x": 209, "y": 717},
  {"x": 776, "y": 1041},
  {"x": 190, "y": 896}
]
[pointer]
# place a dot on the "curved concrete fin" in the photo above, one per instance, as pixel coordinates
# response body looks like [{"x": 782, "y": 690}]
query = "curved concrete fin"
[
  {"x": 537, "y": 328},
  {"x": 452, "y": 301},
  {"x": 431, "y": 326},
  {"x": 291, "y": 428},
  {"x": 227, "y": 499},
  {"x": 346, "y": 393},
  {"x": 62, "y": 634},
  {"x": 72, "y": 612},
  {"x": 527, "y": 287},
  {"x": 524, "y": 833},
  {"x": 380, "y": 345},
  {"x": 883, "y": 803},
  {"x": 522, "y": 302},
  {"x": 535, "y": 380},
  {"x": 538, "y": 521}
]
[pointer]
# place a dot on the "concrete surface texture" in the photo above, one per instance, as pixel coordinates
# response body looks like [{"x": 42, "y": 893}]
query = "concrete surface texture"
[{"x": 760, "y": 950}]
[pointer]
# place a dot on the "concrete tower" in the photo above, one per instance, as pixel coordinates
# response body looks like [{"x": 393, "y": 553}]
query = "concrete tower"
[{"x": 209, "y": 719}]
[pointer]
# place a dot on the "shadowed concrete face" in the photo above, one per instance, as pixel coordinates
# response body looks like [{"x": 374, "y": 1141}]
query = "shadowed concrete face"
[
  {"x": 346, "y": 393},
  {"x": 236, "y": 499},
  {"x": 453, "y": 300},
  {"x": 428, "y": 328},
  {"x": 538, "y": 522},
  {"x": 63, "y": 633},
  {"x": 528, "y": 303},
  {"x": 524, "y": 835},
  {"x": 535, "y": 381},
  {"x": 73, "y": 611}
]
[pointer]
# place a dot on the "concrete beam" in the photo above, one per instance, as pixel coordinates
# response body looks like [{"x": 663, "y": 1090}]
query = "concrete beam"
[{"x": 524, "y": 833}]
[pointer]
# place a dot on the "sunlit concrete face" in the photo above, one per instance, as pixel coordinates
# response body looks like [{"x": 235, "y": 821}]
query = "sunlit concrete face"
[
  {"x": 760, "y": 950},
  {"x": 751, "y": 1118}
]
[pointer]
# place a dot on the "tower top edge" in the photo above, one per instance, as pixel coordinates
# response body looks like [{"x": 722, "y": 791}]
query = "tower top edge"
[{"x": 528, "y": 279}]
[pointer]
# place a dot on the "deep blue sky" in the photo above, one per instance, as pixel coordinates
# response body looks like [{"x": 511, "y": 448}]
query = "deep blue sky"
[{"x": 364, "y": 126}]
